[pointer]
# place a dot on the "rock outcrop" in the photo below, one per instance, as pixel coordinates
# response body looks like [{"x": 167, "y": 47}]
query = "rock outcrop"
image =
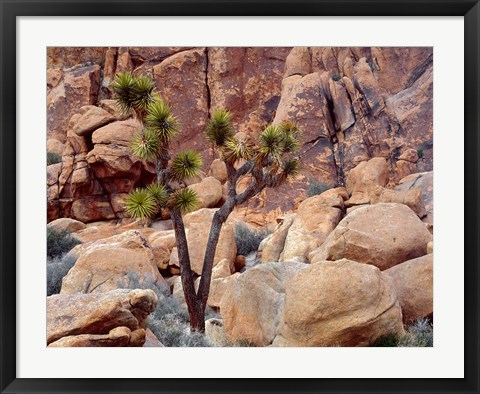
[
  {"x": 121, "y": 261},
  {"x": 98, "y": 319},
  {"x": 339, "y": 303},
  {"x": 252, "y": 305},
  {"x": 383, "y": 235},
  {"x": 352, "y": 104},
  {"x": 413, "y": 280}
]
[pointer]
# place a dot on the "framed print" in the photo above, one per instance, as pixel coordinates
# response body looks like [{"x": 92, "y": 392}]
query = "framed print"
[{"x": 239, "y": 197}]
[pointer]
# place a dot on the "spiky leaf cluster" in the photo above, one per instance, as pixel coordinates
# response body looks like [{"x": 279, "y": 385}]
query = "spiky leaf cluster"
[
  {"x": 160, "y": 120},
  {"x": 219, "y": 129},
  {"x": 235, "y": 150},
  {"x": 133, "y": 92},
  {"x": 159, "y": 193},
  {"x": 186, "y": 164},
  {"x": 185, "y": 200},
  {"x": 146, "y": 144},
  {"x": 140, "y": 204}
]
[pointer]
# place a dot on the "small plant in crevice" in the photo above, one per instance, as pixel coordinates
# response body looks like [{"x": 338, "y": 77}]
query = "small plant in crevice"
[
  {"x": 248, "y": 239},
  {"x": 336, "y": 77},
  {"x": 420, "y": 153},
  {"x": 53, "y": 158},
  {"x": 57, "y": 268},
  {"x": 60, "y": 242},
  {"x": 316, "y": 187}
]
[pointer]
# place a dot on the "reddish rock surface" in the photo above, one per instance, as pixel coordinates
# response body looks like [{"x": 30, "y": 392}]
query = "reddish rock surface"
[{"x": 352, "y": 104}]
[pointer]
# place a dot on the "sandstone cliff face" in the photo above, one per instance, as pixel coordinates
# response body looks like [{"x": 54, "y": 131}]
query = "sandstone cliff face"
[{"x": 351, "y": 103}]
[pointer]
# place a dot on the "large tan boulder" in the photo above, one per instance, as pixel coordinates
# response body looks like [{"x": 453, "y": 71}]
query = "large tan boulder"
[
  {"x": 412, "y": 198},
  {"x": 121, "y": 261},
  {"x": 339, "y": 303},
  {"x": 97, "y": 313},
  {"x": 424, "y": 182},
  {"x": 362, "y": 180},
  {"x": 198, "y": 225},
  {"x": 383, "y": 235},
  {"x": 413, "y": 280},
  {"x": 252, "y": 305},
  {"x": 117, "y": 337},
  {"x": 218, "y": 170},
  {"x": 209, "y": 192},
  {"x": 316, "y": 217},
  {"x": 91, "y": 120},
  {"x": 66, "y": 224},
  {"x": 272, "y": 246}
]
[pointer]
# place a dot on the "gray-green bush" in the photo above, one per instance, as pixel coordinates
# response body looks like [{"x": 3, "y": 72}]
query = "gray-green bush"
[
  {"x": 57, "y": 268},
  {"x": 60, "y": 242},
  {"x": 316, "y": 187},
  {"x": 53, "y": 158},
  {"x": 170, "y": 324},
  {"x": 247, "y": 238},
  {"x": 418, "y": 334}
]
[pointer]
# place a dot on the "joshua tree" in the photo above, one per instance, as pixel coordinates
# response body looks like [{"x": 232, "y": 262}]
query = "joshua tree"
[{"x": 269, "y": 162}]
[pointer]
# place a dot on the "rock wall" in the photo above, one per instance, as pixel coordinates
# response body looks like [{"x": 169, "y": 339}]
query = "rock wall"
[{"x": 352, "y": 104}]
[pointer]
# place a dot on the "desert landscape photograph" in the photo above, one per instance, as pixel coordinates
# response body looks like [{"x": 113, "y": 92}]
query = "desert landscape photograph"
[{"x": 239, "y": 197}]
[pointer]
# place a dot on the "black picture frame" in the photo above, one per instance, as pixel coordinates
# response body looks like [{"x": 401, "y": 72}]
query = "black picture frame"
[{"x": 9, "y": 10}]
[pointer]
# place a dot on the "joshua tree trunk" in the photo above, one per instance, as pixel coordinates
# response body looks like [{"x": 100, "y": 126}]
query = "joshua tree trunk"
[{"x": 196, "y": 313}]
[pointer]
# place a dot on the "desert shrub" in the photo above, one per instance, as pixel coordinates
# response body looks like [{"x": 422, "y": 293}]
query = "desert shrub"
[
  {"x": 53, "y": 158},
  {"x": 389, "y": 340},
  {"x": 336, "y": 77},
  {"x": 59, "y": 242},
  {"x": 132, "y": 280},
  {"x": 247, "y": 238},
  {"x": 57, "y": 268},
  {"x": 418, "y": 334},
  {"x": 316, "y": 187},
  {"x": 170, "y": 324}
]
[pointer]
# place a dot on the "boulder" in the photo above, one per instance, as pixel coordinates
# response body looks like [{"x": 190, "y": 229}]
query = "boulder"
[
  {"x": 151, "y": 340},
  {"x": 218, "y": 286},
  {"x": 92, "y": 119},
  {"x": 412, "y": 198},
  {"x": 66, "y": 224},
  {"x": 362, "y": 180},
  {"x": 121, "y": 261},
  {"x": 383, "y": 235},
  {"x": 92, "y": 208},
  {"x": 252, "y": 305},
  {"x": 117, "y": 337},
  {"x": 198, "y": 225},
  {"x": 80, "y": 86},
  {"x": 55, "y": 146},
  {"x": 413, "y": 280},
  {"x": 215, "y": 332},
  {"x": 272, "y": 246},
  {"x": 218, "y": 170},
  {"x": 424, "y": 182},
  {"x": 97, "y": 313},
  {"x": 339, "y": 303},
  {"x": 209, "y": 192},
  {"x": 316, "y": 217}
]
